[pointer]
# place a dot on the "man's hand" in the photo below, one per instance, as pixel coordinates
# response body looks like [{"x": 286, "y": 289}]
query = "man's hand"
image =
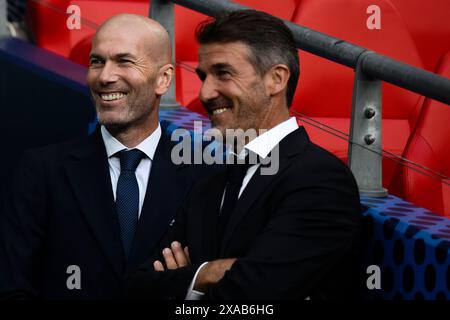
[
  {"x": 174, "y": 257},
  {"x": 212, "y": 273}
]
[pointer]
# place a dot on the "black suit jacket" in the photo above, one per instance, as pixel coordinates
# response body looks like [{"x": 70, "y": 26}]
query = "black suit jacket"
[
  {"x": 295, "y": 234},
  {"x": 61, "y": 212}
]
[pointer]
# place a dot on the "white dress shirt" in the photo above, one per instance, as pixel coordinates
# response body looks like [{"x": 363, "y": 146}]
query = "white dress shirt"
[
  {"x": 148, "y": 147},
  {"x": 262, "y": 146}
]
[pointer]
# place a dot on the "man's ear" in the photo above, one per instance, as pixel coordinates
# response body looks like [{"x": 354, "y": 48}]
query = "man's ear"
[
  {"x": 276, "y": 79},
  {"x": 163, "y": 79}
]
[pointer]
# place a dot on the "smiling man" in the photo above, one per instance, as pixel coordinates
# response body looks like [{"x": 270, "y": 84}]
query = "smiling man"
[
  {"x": 83, "y": 213},
  {"x": 243, "y": 234},
  {"x": 130, "y": 69}
]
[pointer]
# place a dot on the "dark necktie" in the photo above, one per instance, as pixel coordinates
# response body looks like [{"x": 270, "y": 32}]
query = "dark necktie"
[
  {"x": 235, "y": 175},
  {"x": 127, "y": 196}
]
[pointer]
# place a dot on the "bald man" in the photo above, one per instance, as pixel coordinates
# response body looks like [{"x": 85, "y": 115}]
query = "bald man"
[{"x": 82, "y": 214}]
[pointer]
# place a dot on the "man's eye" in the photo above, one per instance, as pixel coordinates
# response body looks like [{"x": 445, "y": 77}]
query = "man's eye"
[
  {"x": 125, "y": 61},
  {"x": 95, "y": 61},
  {"x": 223, "y": 74}
]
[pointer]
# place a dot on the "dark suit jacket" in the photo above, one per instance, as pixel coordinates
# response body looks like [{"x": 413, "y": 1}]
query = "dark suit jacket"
[
  {"x": 61, "y": 212},
  {"x": 295, "y": 234}
]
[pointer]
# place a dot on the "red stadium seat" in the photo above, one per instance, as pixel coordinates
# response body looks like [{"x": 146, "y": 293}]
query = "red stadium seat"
[
  {"x": 429, "y": 147},
  {"x": 428, "y": 23},
  {"x": 325, "y": 88},
  {"x": 48, "y": 21},
  {"x": 80, "y": 52}
]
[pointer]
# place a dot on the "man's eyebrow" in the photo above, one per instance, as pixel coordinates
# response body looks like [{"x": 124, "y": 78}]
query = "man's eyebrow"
[
  {"x": 95, "y": 56},
  {"x": 116, "y": 56},
  {"x": 124, "y": 55},
  {"x": 216, "y": 67},
  {"x": 223, "y": 65}
]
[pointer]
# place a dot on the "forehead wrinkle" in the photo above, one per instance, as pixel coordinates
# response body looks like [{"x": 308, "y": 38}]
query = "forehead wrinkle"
[
  {"x": 237, "y": 50},
  {"x": 223, "y": 65}
]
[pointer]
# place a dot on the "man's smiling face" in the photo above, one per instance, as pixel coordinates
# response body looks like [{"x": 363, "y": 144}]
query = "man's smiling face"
[
  {"x": 121, "y": 76},
  {"x": 232, "y": 92}
]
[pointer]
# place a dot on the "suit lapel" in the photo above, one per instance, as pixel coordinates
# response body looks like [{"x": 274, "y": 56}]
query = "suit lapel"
[
  {"x": 167, "y": 183},
  {"x": 88, "y": 173},
  {"x": 291, "y": 145}
]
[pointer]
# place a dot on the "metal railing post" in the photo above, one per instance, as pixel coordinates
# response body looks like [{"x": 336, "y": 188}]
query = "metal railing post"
[
  {"x": 3, "y": 19},
  {"x": 364, "y": 147},
  {"x": 163, "y": 12}
]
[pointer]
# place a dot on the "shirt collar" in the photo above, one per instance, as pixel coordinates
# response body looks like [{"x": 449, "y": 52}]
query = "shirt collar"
[
  {"x": 264, "y": 143},
  {"x": 148, "y": 146}
]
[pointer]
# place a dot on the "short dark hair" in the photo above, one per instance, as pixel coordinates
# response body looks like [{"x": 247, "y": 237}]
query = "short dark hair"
[{"x": 269, "y": 39}]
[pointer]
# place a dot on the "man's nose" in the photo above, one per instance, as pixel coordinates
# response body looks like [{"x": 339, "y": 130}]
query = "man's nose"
[
  {"x": 108, "y": 74},
  {"x": 208, "y": 90}
]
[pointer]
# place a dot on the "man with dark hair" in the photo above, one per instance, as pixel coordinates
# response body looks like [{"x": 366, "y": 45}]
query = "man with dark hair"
[
  {"x": 245, "y": 233},
  {"x": 269, "y": 40}
]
